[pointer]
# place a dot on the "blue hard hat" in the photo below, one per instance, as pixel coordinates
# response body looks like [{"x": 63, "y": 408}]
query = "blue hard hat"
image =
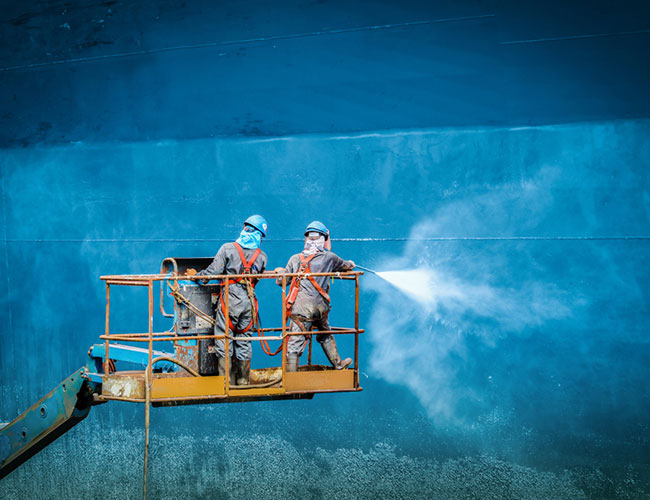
[
  {"x": 258, "y": 222},
  {"x": 317, "y": 227}
]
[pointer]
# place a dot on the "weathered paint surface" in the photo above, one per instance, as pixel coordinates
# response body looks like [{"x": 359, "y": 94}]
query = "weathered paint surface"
[
  {"x": 247, "y": 69},
  {"x": 540, "y": 233},
  {"x": 515, "y": 174},
  {"x": 124, "y": 385}
]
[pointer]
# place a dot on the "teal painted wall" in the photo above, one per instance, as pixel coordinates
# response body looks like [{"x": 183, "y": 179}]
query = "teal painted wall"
[{"x": 526, "y": 377}]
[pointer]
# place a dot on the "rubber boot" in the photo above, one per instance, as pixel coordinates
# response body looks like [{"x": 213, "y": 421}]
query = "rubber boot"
[
  {"x": 221, "y": 366},
  {"x": 243, "y": 372},
  {"x": 292, "y": 362},
  {"x": 329, "y": 346},
  {"x": 221, "y": 369}
]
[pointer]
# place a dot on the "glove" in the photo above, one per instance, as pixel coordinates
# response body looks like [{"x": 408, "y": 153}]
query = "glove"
[
  {"x": 190, "y": 272},
  {"x": 279, "y": 270}
]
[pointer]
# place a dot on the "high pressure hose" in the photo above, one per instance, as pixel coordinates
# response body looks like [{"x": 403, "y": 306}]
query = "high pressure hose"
[{"x": 365, "y": 269}]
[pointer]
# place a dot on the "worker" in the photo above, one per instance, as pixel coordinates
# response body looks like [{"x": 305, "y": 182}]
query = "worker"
[
  {"x": 308, "y": 302},
  {"x": 244, "y": 256}
]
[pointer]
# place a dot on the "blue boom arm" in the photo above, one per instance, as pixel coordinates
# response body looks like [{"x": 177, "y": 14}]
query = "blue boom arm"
[
  {"x": 66, "y": 405},
  {"x": 63, "y": 408}
]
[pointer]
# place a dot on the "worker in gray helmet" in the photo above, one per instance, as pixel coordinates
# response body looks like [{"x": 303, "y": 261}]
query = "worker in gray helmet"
[
  {"x": 308, "y": 302},
  {"x": 243, "y": 256}
]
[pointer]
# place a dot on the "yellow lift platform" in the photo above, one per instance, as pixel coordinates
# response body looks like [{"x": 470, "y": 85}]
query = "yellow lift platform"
[
  {"x": 192, "y": 336},
  {"x": 135, "y": 367}
]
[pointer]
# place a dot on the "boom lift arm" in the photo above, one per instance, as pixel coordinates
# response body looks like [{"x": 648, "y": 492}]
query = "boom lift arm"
[{"x": 55, "y": 414}]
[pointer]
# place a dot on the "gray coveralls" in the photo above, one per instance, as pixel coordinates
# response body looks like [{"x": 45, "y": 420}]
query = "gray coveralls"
[
  {"x": 227, "y": 261},
  {"x": 310, "y": 307}
]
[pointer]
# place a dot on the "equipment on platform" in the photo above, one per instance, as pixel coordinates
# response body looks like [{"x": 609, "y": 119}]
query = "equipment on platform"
[{"x": 118, "y": 370}]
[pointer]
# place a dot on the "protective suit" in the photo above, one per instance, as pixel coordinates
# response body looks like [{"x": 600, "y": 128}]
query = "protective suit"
[
  {"x": 311, "y": 306},
  {"x": 228, "y": 261}
]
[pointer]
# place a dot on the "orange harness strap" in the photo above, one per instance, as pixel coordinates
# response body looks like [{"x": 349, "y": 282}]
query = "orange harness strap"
[
  {"x": 248, "y": 265},
  {"x": 306, "y": 262},
  {"x": 318, "y": 287},
  {"x": 247, "y": 270},
  {"x": 305, "y": 267}
]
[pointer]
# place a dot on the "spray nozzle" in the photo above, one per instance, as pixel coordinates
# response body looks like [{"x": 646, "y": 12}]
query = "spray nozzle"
[{"x": 365, "y": 269}]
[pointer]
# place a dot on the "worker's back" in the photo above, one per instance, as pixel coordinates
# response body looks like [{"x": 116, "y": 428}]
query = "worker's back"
[
  {"x": 228, "y": 261},
  {"x": 310, "y": 302},
  {"x": 233, "y": 263}
]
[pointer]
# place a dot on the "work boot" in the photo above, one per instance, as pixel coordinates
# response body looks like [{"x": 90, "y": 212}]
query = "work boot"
[
  {"x": 221, "y": 366},
  {"x": 243, "y": 371},
  {"x": 292, "y": 362},
  {"x": 329, "y": 346},
  {"x": 221, "y": 369}
]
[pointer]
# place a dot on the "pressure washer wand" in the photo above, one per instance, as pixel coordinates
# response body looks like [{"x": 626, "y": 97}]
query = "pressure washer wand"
[{"x": 365, "y": 269}]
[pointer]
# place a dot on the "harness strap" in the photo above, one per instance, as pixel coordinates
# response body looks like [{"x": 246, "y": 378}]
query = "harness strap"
[
  {"x": 318, "y": 287},
  {"x": 248, "y": 265},
  {"x": 305, "y": 267},
  {"x": 305, "y": 261},
  {"x": 295, "y": 283},
  {"x": 230, "y": 325}
]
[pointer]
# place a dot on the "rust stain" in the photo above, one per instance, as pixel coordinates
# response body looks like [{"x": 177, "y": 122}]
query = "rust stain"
[
  {"x": 124, "y": 385},
  {"x": 187, "y": 354}
]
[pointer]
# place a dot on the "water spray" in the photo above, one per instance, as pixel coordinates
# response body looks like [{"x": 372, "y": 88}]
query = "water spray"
[{"x": 418, "y": 284}]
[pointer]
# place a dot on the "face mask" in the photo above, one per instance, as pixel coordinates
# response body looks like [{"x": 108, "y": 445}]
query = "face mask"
[
  {"x": 250, "y": 239},
  {"x": 328, "y": 241},
  {"x": 314, "y": 246}
]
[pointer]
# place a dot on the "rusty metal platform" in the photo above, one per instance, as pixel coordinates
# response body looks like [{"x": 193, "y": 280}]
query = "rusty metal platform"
[
  {"x": 166, "y": 388},
  {"x": 134, "y": 367},
  {"x": 186, "y": 385}
]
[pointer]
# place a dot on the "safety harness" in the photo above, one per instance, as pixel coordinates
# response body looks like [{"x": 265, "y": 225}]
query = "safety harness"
[
  {"x": 250, "y": 288},
  {"x": 294, "y": 288},
  {"x": 305, "y": 267}
]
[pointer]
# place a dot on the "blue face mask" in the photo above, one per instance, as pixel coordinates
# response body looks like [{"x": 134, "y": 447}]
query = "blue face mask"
[{"x": 250, "y": 239}]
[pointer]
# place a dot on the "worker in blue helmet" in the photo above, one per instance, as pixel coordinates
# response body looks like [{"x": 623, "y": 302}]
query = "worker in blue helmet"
[
  {"x": 243, "y": 256},
  {"x": 308, "y": 302}
]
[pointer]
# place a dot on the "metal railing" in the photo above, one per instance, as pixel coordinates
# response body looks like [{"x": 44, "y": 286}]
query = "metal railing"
[{"x": 148, "y": 280}]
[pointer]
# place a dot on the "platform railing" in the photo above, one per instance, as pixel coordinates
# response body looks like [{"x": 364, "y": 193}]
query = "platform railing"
[{"x": 148, "y": 280}]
